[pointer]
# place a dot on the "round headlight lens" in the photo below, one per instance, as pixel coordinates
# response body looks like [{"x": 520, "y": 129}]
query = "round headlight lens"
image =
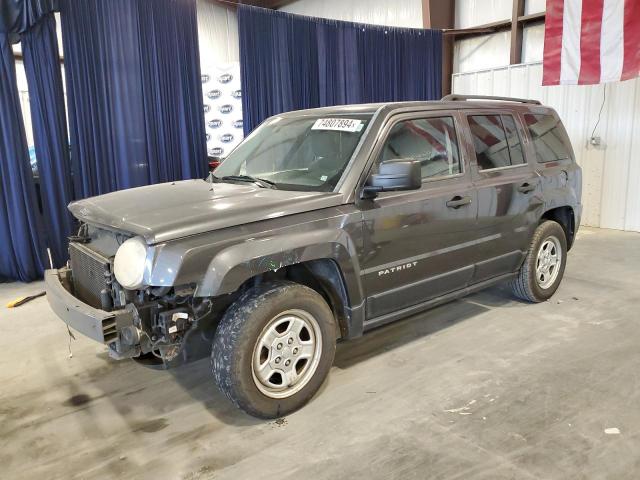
[{"x": 129, "y": 263}]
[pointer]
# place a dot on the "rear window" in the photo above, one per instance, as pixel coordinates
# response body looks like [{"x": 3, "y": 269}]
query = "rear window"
[{"x": 550, "y": 139}]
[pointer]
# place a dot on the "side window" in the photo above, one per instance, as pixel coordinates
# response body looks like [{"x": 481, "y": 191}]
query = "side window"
[
  {"x": 496, "y": 141},
  {"x": 432, "y": 141},
  {"x": 550, "y": 140}
]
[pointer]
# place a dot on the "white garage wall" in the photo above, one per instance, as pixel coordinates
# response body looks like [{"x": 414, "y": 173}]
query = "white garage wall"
[
  {"x": 217, "y": 34},
  {"x": 532, "y": 43},
  {"x": 611, "y": 181},
  {"x": 23, "y": 91},
  {"x": 534, "y": 6},
  {"x": 486, "y": 51},
  {"x": 405, "y": 13},
  {"x": 471, "y": 13},
  {"x": 489, "y": 51}
]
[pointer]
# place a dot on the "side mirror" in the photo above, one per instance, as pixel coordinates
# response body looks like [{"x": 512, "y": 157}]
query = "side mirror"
[{"x": 394, "y": 175}]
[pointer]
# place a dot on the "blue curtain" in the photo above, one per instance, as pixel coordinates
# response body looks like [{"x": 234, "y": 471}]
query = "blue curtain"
[
  {"x": 46, "y": 101},
  {"x": 290, "y": 62},
  {"x": 133, "y": 93},
  {"x": 21, "y": 250},
  {"x": 17, "y": 16}
]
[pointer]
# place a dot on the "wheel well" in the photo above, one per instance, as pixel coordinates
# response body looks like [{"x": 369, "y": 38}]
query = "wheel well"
[
  {"x": 565, "y": 217},
  {"x": 323, "y": 276}
]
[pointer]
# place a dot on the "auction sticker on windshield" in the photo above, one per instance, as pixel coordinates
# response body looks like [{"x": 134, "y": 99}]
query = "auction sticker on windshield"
[{"x": 338, "y": 124}]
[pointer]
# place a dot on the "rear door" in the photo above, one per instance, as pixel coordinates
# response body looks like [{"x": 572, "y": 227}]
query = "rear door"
[
  {"x": 508, "y": 190},
  {"x": 416, "y": 243}
]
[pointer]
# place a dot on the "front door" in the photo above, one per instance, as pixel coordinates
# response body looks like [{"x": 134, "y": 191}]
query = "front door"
[{"x": 416, "y": 243}]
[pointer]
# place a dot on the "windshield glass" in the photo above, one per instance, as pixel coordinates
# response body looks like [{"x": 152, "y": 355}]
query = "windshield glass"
[{"x": 307, "y": 152}]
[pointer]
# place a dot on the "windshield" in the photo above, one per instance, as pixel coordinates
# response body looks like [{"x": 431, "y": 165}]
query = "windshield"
[{"x": 307, "y": 152}]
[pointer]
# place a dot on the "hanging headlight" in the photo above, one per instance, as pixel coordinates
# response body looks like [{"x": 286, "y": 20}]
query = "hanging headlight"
[{"x": 129, "y": 263}]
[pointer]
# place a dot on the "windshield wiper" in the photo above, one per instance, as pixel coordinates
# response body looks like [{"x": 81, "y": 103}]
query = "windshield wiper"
[{"x": 248, "y": 178}]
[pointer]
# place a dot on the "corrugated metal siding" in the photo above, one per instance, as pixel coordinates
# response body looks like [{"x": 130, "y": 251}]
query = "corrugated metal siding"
[
  {"x": 485, "y": 51},
  {"x": 491, "y": 51},
  {"x": 611, "y": 182},
  {"x": 407, "y": 13},
  {"x": 532, "y": 43},
  {"x": 471, "y": 13},
  {"x": 534, "y": 6}
]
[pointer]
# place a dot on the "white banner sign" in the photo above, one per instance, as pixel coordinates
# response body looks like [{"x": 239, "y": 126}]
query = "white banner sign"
[{"x": 222, "y": 108}]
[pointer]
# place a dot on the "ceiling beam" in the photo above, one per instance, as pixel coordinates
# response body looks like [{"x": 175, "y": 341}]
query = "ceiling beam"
[
  {"x": 494, "y": 27},
  {"x": 479, "y": 29}
]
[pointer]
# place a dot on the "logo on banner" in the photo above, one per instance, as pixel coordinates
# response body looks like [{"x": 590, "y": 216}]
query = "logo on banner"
[
  {"x": 213, "y": 94},
  {"x": 237, "y": 123},
  {"x": 215, "y": 123},
  {"x": 207, "y": 108},
  {"x": 216, "y": 151},
  {"x": 225, "y": 108},
  {"x": 205, "y": 78},
  {"x": 226, "y": 138},
  {"x": 208, "y": 137},
  {"x": 225, "y": 78},
  {"x": 236, "y": 94}
]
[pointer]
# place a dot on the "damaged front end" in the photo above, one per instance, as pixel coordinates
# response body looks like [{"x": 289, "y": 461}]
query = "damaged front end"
[{"x": 156, "y": 325}]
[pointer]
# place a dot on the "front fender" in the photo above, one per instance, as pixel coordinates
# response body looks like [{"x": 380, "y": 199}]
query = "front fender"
[{"x": 233, "y": 265}]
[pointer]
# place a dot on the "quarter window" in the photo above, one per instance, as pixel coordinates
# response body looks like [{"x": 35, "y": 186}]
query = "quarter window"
[
  {"x": 432, "y": 141},
  {"x": 550, "y": 140},
  {"x": 496, "y": 141}
]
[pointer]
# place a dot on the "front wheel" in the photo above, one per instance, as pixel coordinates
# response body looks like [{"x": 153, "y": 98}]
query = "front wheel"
[
  {"x": 274, "y": 348},
  {"x": 543, "y": 268}
]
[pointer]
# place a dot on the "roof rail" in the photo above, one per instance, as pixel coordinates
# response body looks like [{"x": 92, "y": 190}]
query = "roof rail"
[{"x": 456, "y": 98}]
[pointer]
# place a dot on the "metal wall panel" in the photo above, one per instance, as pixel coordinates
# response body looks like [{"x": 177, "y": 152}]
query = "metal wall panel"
[
  {"x": 534, "y": 6},
  {"x": 490, "y": 51},
  {"x": 407, "y": 13},
  {"x": 611, "y": 182},
  {"x": 471, "y": 13},
  {"x": 23, "y": 91},
  {"x": 485, "y": 51},
  {"x": 533, "y": 43}
]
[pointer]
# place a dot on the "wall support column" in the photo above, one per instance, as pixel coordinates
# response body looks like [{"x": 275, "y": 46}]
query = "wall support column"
[
  {"x": 440, "y": 14},
  {"x": 515, "y": 56}
]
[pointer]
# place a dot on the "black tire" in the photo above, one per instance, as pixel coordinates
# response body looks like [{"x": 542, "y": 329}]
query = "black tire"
[
  {"x": 239, "y": 331},
  {"x": 525, "y": 285}
]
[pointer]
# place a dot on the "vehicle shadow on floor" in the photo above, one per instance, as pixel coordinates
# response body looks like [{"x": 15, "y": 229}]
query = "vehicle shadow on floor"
[
  {"x": 154, "y": 388},
  {"x": 196, "y": 378},
  {"x": 402, "y": 332}
]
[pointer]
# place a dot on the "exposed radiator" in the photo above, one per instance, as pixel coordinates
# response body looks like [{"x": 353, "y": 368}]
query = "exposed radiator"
[{"x": 90, "y": 272}]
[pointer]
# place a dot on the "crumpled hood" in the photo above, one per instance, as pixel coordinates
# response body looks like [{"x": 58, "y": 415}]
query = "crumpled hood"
[{"x": 168, "y": 211}]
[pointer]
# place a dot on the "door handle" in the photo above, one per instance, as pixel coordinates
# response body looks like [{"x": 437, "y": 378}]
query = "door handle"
[
  {"x": 458, "y": 201},
  {"x": 526, "y": 188}
]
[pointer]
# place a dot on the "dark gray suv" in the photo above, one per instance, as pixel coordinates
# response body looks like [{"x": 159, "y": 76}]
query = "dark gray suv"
[{"x": 320, "y": 225}]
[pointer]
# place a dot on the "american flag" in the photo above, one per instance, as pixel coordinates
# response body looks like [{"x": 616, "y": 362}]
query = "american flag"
[{"x": 591, "y": 41}]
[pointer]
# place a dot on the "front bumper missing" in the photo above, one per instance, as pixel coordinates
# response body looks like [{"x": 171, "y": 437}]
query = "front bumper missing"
[{"x": 97, "y": 324}]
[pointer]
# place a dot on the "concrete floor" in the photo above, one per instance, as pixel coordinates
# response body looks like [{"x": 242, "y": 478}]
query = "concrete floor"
[{"x": 483, "y": 388}]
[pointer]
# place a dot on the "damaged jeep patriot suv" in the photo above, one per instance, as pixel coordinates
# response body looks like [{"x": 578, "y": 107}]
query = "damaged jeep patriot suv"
[{"x": 320, "y": 225}]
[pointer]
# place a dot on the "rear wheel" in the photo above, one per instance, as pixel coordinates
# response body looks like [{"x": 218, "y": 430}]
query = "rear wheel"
[
  {"x": 543, "y": 268},
  {"x": 273, "y": 348}
]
